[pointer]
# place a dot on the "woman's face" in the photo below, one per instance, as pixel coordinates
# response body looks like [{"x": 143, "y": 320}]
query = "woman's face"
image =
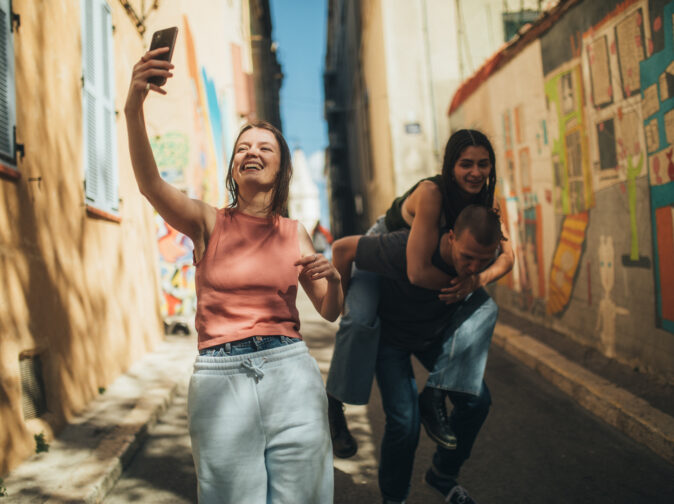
[
  {"x": 472, "y": 169},
  {"x": 257, "y": 159}
]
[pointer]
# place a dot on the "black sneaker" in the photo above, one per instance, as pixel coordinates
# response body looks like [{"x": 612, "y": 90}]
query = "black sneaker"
[
  {"x": 450, "y": 490},
  {"x": 434, "y": 417},
  {"x": 343, "y": 443}
]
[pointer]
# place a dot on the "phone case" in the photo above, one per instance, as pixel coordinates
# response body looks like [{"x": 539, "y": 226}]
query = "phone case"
[{"x": 163, "y": 38}]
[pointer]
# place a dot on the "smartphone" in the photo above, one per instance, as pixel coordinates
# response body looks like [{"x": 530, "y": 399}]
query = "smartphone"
[{"x": 163, "y": 38}]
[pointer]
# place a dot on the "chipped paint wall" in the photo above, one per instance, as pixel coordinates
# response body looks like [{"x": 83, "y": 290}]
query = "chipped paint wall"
[{"x": 582, "y": 120}]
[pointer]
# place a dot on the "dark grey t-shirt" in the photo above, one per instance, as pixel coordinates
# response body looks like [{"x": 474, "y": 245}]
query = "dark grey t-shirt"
[{"x": 412, "y": 317}]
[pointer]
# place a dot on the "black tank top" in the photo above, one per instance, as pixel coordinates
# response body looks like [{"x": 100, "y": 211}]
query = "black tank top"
[
  {"x": 394, "y": 216},
  {"x": 452, "y": 204}
]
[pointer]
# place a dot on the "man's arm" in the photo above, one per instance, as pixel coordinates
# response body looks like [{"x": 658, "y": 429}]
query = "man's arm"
[
  {"x": 343, "y": 255},
  {"x": 383, "y": 254}
]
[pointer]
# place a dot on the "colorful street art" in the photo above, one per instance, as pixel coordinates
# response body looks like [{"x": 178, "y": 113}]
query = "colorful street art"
[
  {"x": 656, "y": 74},
  {"x": 565, "y": 262},
  {"x": 195, "y": 161},
  {"x": 617, "y": 136},
  {"x": 205, "y": 176},
  {"x": 573, "y": 181},
  {"x": 177, "y": 272},
  {"x": 171, "y": 152},
  {"x": 587, "y": 178}
]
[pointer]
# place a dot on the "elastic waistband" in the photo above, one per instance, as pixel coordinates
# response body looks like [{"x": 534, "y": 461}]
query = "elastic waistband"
[{"x": 232, "y": 363}]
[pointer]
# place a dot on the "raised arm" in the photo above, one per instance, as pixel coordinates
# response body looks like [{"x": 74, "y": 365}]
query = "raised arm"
[
  {"x": 319, "y": 278},
  {"x": 424, "y": 206},
  {"x": 191, "y": 217}
]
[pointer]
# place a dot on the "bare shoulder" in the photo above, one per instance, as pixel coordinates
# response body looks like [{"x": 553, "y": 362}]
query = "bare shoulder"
[
  {"x": 306, "y": 245},
  {"x": 428, "y": 188},
  {"x": 427, "y": 195}
]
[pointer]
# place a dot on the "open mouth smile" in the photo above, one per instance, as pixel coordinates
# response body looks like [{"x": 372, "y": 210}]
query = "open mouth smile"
[{"x": 251, "y": 166}]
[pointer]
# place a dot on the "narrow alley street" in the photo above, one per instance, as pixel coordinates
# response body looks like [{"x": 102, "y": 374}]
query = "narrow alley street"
[{"x": 537, "y": 446}]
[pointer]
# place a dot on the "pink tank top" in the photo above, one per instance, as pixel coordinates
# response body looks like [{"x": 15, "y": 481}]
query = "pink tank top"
[{"x": 246, "y": 281}]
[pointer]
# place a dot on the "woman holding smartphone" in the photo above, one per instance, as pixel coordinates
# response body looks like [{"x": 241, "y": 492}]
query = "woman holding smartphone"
[{"x": 257, "y": 406}]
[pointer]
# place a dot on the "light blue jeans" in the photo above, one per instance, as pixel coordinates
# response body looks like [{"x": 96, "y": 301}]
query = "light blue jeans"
[
  {"x": 459, "y": 367},
  {"x": 353, "y": 360},
  {"x": 259, "y": 427}
]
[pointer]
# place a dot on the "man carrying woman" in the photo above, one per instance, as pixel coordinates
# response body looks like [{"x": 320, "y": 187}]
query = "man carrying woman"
[
  {"x": 468, "y": 177},
  {"x": 415, "y": 322}
]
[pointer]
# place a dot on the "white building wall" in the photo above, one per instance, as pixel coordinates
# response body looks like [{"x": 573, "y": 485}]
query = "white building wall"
[
  {"x": 303, "y": 201},
  {"x": 429, "y": 51}
]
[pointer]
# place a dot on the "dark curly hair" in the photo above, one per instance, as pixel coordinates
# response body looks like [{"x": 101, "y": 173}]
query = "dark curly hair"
[
  {"x": 279, "y": 200},
  {"x": 453, "y": 197}
]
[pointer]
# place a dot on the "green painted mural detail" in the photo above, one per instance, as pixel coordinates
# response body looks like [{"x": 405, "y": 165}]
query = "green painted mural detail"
[
  {"x": 632, "y": 174},
  {"x": 572, "y": 176},
  {"x": 561, "y": 181},
  {"x": 171, "y": 151}
]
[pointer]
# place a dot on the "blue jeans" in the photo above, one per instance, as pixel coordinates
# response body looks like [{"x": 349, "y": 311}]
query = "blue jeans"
[
  {"x": 398, "y": 388},
  {"x": 353, "y": 359},
  {"x": 259, "y": 425},
  {"x": 248, "y": 345},
  {"x": 460, "y": 357}
]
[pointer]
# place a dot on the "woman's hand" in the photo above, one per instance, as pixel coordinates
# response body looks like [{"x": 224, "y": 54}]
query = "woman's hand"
[
  {"x": 316, "y": 266},
  {"x": 142, "y": 71},
  {"x": 459, "y": 289}
]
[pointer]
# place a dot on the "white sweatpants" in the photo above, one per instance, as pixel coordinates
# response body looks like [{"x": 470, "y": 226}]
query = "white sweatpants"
[{"x": 259, "y": 428}]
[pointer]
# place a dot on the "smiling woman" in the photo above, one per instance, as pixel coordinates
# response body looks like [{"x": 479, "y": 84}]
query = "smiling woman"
[
  {"x": 256, "y": 394},
  {"x": 261, "y": 155}
]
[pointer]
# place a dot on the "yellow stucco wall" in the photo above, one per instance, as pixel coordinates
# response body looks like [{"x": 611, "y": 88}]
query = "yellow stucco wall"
[
  {"x": 80, "y": 290},
  {"x": 380, "y": 189}
]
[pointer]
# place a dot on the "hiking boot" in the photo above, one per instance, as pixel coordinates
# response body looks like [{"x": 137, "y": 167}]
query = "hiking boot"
[
  {"x": 343, "y": 443},
  {"x": 434, "y": 417},
  {"x": 451, "y": 491}
]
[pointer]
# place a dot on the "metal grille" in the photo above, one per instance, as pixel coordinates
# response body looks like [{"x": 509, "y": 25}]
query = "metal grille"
[{"x": 32, "y": 387}]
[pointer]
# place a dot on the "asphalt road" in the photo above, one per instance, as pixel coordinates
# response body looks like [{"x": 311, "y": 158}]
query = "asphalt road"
[{"x": 537, "y": 446}]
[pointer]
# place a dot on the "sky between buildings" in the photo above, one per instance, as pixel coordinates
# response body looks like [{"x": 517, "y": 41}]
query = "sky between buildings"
[{"x": 298, "y": 27}]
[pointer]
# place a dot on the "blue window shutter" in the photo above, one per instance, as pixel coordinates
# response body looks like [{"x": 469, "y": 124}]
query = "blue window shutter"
[
  {"x": 100, "y": 143},
  {"x": 7, "y": 93}
]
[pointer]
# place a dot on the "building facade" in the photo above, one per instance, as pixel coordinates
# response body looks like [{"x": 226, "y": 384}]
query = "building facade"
[
  {"x": 391, "y": 67},
  {"x": 89, "y": 269}
]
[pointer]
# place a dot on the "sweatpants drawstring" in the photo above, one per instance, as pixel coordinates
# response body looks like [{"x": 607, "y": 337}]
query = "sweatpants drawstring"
[{"x": 255, "y": 369}]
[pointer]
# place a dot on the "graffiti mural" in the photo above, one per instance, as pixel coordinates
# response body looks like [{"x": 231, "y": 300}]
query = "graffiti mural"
[
  {"x": 171, "y": 152},
  {"x": 656, "y": 74},
  {"x": 586, "y": 180},
  {"x": 196, "y": 164},
  {"x": 573, "y": 181},
  {"x": 177, "y": 272},
  {"x": 614, "y": 51}
]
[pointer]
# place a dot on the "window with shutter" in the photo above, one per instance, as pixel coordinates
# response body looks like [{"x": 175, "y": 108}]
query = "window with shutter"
[
  {"x": 7, "y": 96},
  {"x": 98, "y": 107}
]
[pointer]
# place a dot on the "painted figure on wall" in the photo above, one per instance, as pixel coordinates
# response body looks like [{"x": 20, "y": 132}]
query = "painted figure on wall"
[{"x": 608, "y": 310}]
